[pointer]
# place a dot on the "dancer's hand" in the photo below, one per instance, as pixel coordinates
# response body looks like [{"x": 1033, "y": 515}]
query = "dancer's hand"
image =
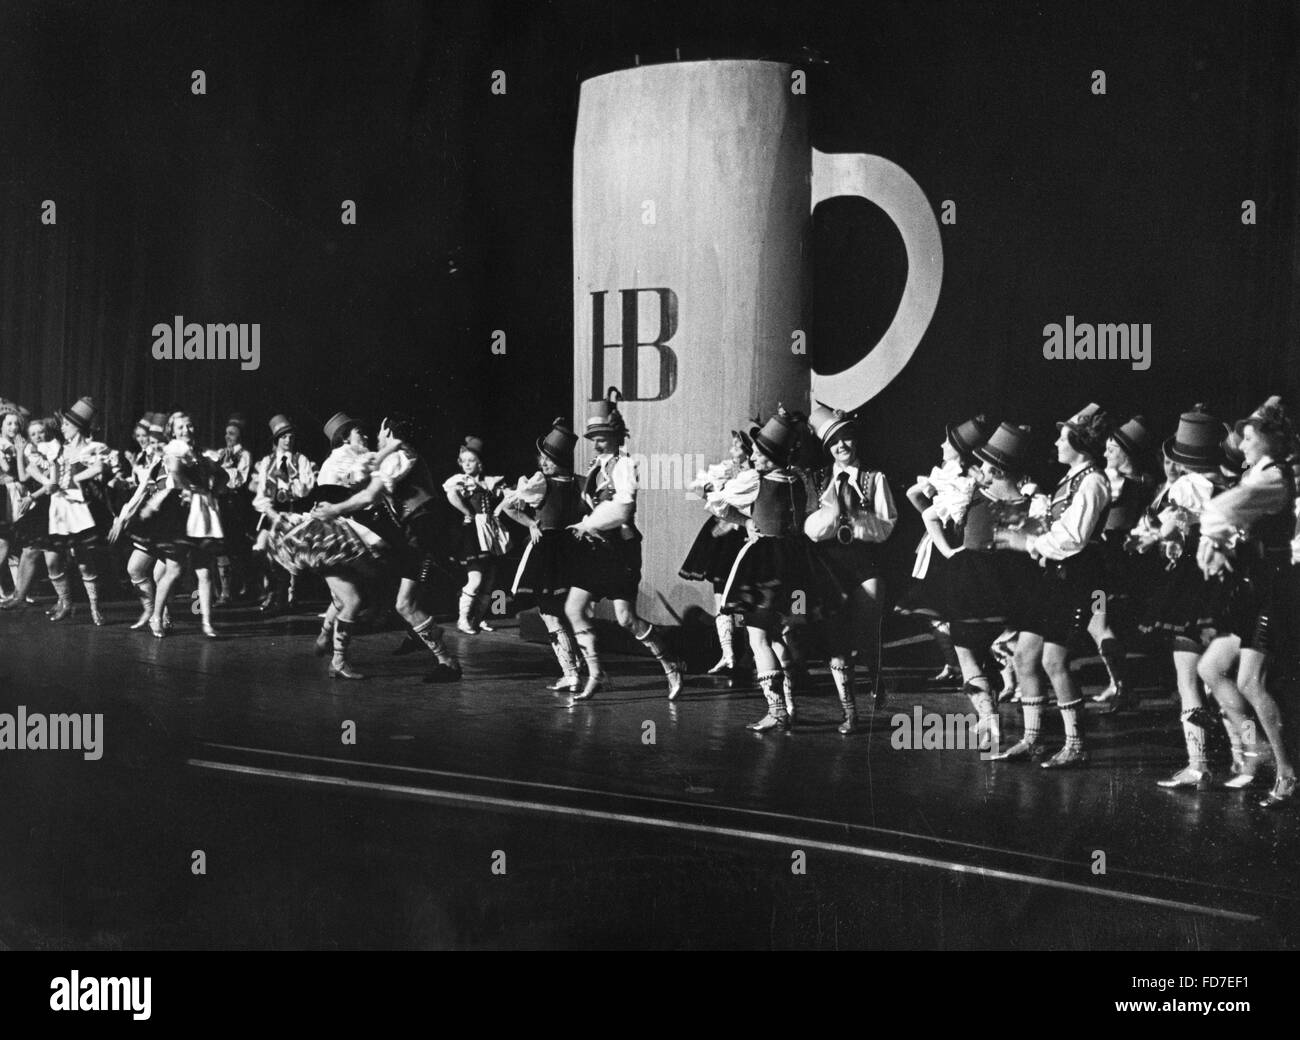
[
  {"x": 1007, "y": 539},
  {"x": 534, "y": 534},
  {"x": 581, "y": 532},
  {"x": 325, "y": 511},
  {"x": 115, "y": 532}
]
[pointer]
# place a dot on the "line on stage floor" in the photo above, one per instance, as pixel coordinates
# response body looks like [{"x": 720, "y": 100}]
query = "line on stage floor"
[
  {"x": 494, "y": 801},
  {"x": 928, "y": 839}
]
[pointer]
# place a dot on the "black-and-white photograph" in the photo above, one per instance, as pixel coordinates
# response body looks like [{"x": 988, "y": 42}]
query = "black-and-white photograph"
[{"x": 628, "y": 475}]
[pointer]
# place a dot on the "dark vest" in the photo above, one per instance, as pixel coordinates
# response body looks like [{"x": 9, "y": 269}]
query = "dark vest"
[
  {"x": 562, "y": 505},
  {"x": 607, "y": 492},
  {"x": 413, "y": 493},
  {"x": 1064, "y": 495},
  {"x": 985, "y": 515},
  {"x": 781, "y": 505}
]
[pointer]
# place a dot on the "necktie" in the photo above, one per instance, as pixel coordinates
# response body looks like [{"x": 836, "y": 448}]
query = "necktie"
[{"x": 845, "y": 499}]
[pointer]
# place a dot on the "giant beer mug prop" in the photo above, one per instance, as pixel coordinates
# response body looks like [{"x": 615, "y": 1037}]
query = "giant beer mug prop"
[{"x": 693, "y": 188}]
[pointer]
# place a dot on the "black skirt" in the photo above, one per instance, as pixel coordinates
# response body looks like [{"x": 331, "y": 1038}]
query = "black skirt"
[
  {"x": 988, "y": 586},
  {"x": 238, "y": 520},
  {"x": 607, "y": 568},
  {"x": 163, "y": 533},
  {"x": 1181, "y": 602},
  {"x": 32, "y": 529},
  {"x": 777, "y": 579},
  {"x": 713, "y": 552},
  {"x": 545, "y": 567}
]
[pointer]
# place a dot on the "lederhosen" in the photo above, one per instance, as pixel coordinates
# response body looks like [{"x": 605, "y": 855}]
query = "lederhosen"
[
  {"x": 1258, "y": 591},
  {"x": 32, "y": 529},
  {"x": 852, "y": 561},
  {"x": 779, "y": 562},
  {"x": 411, "y": 506},
  {"x": 544, "y": 569},
  {"x": 1061, "y": 596},
  {"x": 608, "y": 566}
]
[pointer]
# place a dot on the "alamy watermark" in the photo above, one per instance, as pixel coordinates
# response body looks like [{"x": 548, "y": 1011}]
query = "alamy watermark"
[
  {"x": 1084, "y": 341},
  {"x": 39, "y": 732},
  {"x": 190, "y": 341},
  {"x": 951, "y": 731}
]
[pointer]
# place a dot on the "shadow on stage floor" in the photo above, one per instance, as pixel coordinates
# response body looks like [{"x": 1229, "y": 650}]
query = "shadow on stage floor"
[{"x": 335, "y": 813}]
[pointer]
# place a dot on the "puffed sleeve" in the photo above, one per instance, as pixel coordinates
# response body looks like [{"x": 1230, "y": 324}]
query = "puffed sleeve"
[
  {"x": 529, "y": 494},
  {"x": 394, "y": 468},
  {"x": 456, "y": 483}
]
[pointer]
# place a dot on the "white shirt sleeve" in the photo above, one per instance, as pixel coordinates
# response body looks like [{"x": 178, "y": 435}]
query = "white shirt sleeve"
[
  {"x": 1074, "y": 529},
  {"x": 1229, "y": 517}
]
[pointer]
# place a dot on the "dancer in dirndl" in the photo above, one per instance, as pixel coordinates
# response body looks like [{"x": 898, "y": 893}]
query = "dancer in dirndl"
[
  {"x": 482, "y": 540},
  {"x": 777, "y": 566},
  {"x": 943, "y": 495},
  {"x": 183, "y": 521},
  {"x": 1111, "y": 624},
  {"x": 986, "y": 584},
  {"x": 546, "y": 505},
  {"x": 606, "y": 560},
  {"x": 719, "y": 542}
]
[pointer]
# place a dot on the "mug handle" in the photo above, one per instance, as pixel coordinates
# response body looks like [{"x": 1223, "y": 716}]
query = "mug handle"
[{"x": 890, "y": 187}]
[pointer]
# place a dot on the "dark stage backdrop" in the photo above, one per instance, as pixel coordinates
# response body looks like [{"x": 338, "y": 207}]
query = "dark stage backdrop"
[{"x": 226, "y": 207}]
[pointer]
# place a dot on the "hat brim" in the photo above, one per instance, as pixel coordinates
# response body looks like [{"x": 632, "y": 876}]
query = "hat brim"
[
  {"x": 1130, "y": 446},
  {"x": 1199, "y": 463},
  {"x": 82, "y": 424},
  {"x": 770, "y": 451},
  {"x": 559, "y": 460},
  {"x": 838, "y": 430},
  {"x": 997, "y": 458}
]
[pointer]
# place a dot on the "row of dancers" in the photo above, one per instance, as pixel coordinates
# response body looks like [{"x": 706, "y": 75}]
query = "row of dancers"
[{"x": 1202, "y": 559}]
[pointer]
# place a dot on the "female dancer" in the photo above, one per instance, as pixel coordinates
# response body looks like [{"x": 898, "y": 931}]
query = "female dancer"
[
  {"x": 340, "y": 549},
  {"x": 607, "y": 556},
  {"x": 183, "y": 520},
  {"x": 31, "y": 529},
  {"x": 719, "y": 542},
  {"x": 854, "y": 513},
  {"x": 1246, "y": 542},
  {"x": 547, "y": 504},
  {"x": 776, "y": 560},
  {"x": 12, "y": 475},
  {"x": 67, "y": 514},
  {"x": 285, "y": 478},
  {"x": 985, "y": 584},
  {"x": 482, "y": 540},
  {"x": 236, "y": 507},
  {"x": 1177, "y": 607},
  {"x": 1063, "y": 590},
  {"x": 145, "y": 565},
  {"x": 1131, "y": 489},
  {"x": 79, "y": 512},
  {"x": 943, "y": 496}
]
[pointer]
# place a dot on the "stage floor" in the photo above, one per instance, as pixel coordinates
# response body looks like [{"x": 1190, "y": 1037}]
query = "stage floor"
[{"x": 236, "y": 747}]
